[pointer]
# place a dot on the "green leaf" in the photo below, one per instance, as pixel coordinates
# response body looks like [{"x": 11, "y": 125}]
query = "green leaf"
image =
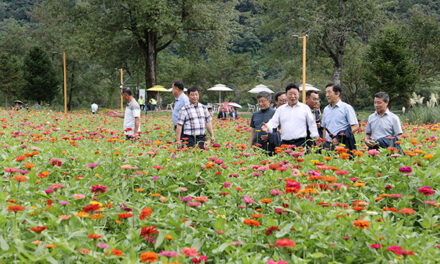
[
  {"x": 160, "y": 238},
  {"x": 221, "y": 248},
  {"x": 3, "y": 245}
]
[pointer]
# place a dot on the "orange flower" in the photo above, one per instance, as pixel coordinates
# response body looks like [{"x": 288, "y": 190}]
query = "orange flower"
[
  {"x": 428, "y": 157},
  {"x": 169, "y": 237},
  {"x": 146, "y": 212},
  {"x": 50, "y": 246},
  {"x": 251, "y": 222},
  {"x": 20, "y": 178},
  {"x": 82, "y": 214},
  {"x": 266, "y": 201},
  {"x": 361, "y": 224},
  {"x": 116, "y": 252},
  {"x": 149, "y": 256},
  {"x": 345, "y": 156},
  {"x": 20, "y": 158},
  {"x": 256, "y": 215},
  {"x": 407, "y": 211},
  {"x": 28, "y": 165},
  {"x": 43, "y": 174}
]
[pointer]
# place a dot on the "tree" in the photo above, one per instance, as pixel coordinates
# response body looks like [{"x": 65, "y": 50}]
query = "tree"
[
  {"x": 41, "y": 83},
  {"x": 11, "y": 76},
  {"x": 149, "y": 26},
  {"x": 328, "y": 24},
  {"x": 390, "y": 68}
]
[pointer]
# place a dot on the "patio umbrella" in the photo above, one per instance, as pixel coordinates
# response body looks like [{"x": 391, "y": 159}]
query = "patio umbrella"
[
  {"x": 220, "y": 88},
  {"x": 260, "y": 88},
  {"x": 157, "y": 88},
  {"x": 18, "y": 102},
  {"x": 309, "y": 87},
  {"x": 235, "y": 105}
]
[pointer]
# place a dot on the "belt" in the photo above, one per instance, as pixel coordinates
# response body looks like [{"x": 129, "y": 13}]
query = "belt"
[
  {"x": 293, "y": 140},
  {"x": 194, "y": 136}
]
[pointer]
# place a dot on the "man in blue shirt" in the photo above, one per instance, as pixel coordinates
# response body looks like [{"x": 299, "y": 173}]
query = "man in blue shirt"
[
  {"x": 181, "y": 100},
  {"x": 339, "y": 120}
]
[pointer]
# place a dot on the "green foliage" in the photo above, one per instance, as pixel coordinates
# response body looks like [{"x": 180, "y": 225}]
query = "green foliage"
[
  {"x": 428, "y": 115},
  {"x": 390, "y": 68},
  {"x": 11, "y": 76},
  {"x": 41, "y": 83}
]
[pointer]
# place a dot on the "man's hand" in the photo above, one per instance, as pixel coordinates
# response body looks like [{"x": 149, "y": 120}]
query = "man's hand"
[
  {"x": 371, "y": 143},
  {"x": 207, "y": 143},
  {"x": 212, "y": 139},
  {"x": 265, "y": 138}
]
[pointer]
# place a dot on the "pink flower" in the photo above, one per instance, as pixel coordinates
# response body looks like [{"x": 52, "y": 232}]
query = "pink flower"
[
  {"x": 194, "y": 204},
  {"x": 169, "y": 254},
  {"x": 226, "y": 184},
  {"x": 102, "y": 245},
  {"x": 276, "y": 262},
  {"x": 426, "y": 190},
  {"x": 56, "y": 186},
  {"x": 395, "y": 249},
  {"x": 376, "y": 246},
  {"x": 248, "y": 200},
  {"x": 189, "y": 252},
  {"x": 199, "y": 259},
  {"x": 92, "y": 165},
  {"x": 78, "y": 196},
  {"x": 373, "y": 152},
  {"x": 405, "y": 169}
]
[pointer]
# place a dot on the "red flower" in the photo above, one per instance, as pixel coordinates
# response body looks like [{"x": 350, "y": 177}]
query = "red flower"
[
  {"x": 91, "y": 207},
  {"x": 148, "y": 231},
  {"x": 270, "y": 230},
  {"x": 56, "y": 162},
  {"x": 407, "y": 211},
  {"x": 124, "y": 215},
  {"x": 292, "y": 186},
  {"x": 99, "y": 188}
]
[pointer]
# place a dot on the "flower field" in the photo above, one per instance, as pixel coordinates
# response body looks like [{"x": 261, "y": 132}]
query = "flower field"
[{"x": 72, "y": 190}]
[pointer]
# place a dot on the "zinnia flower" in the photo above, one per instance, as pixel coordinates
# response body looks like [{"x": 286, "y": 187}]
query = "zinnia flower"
[
  {"x": 38, "y": 229},
  {"x": 285, "y": 242},
  {"x": 145, "y": 213},
  {"x": 426, "y": 190},
  {"x": 189, "y": 252},
  {"x": 149, "y": 256},
  {"x": 405, "y": 169}
]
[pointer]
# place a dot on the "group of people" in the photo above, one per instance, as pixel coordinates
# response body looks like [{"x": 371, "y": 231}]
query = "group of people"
[
  {"x": 298, "y": 124},
  {"x": 152, "y": 104},
  {"x": 223, "y": 113},
  {"x": 290, "y": 123}
]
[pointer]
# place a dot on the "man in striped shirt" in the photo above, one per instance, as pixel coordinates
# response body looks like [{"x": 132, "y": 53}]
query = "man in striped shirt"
[{"x": 195, "y": 119}]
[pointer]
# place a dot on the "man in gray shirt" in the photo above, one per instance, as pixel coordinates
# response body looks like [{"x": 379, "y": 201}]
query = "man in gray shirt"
[
  {"x": 259, "y": 137},
  {"x": 383, "y": 127}
]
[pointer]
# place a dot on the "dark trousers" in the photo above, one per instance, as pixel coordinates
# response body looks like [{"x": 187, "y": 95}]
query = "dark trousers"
[
  {"x": 297, "y": 142},
  {"x": 192, "y": 141}
]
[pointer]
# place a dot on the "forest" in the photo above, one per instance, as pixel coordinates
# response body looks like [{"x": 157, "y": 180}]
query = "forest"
[{"x": 364, "y": 46}]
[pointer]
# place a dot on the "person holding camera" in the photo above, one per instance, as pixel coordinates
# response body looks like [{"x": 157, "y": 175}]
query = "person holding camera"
[{"x": 383, "y": 127}]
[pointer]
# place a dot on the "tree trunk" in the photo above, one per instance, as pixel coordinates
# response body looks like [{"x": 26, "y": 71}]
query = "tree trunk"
[{"x": 150, "y": 63}]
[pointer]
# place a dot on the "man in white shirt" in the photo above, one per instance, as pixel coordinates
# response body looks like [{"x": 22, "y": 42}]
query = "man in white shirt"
[
  {"x": 131, "y": 116},
  {"x": 294, "y": 119},
  {"x": 94, "y": 108}
]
